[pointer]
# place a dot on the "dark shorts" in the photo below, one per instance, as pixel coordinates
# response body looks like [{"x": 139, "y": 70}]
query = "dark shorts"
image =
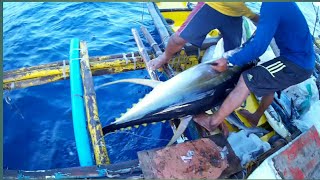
[
  {"x": 274, "y": 75},
  {"x": 203, "y": 19}
]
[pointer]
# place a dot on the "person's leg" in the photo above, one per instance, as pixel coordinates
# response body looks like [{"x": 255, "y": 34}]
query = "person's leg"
[
  {"x": 253, "y": 118},
  {"x": 233, "y": 101},
  {"x": 194, "y": 30},
  {"x": 263, "y": 80},
  {"x": 268, "y": 78},
  {"x": 231, "y": 31}
]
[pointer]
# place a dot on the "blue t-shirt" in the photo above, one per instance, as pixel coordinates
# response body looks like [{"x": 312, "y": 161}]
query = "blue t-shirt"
[{"x": 285, "y": 22}]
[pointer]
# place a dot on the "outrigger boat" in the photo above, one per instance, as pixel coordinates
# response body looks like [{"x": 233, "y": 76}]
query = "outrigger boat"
[{"x": 215, "y": 149}]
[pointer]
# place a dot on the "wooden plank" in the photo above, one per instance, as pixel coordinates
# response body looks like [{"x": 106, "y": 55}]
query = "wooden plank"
[
  {"x": 209, "y": 160},
  {"x": 129, "y": 169},
  {"x": 93, "y": 121}
]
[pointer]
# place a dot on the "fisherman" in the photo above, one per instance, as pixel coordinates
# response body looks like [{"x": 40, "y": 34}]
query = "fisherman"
[
  {"x": 286, "y": 24},
  {"x": 224, "y": 16}
]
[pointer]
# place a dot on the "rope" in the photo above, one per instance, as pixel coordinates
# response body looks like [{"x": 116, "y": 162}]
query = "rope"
[
  {"x": 142, "y": 12},
  {"x": 64, "y": 69},
  {"x": 317, "y": 18},
  {"x": 134, "y": 60},
  {"x": 164, "y": 39},
  {"x": 125, "y": 57}
]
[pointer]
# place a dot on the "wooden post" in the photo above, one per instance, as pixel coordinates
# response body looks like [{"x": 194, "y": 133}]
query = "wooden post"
[{"x": 94, "y": 125}]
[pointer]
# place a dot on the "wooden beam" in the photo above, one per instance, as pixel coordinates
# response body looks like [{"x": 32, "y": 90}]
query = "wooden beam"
[
  {"x": 93, "y": 121},
  {"x": 123, "y": 170}
]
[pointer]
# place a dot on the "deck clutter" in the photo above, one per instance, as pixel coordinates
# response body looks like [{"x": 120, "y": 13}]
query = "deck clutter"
[{"x": 201, "y": 154}]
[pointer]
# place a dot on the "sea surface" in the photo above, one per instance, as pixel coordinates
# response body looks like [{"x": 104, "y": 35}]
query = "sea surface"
[{"x": 38, "y": 130}]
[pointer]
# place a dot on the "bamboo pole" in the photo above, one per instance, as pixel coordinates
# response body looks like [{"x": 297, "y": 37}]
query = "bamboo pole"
[
  {"x": 100, "y": 65},
  {"x": 20, "y": 73},
  {"x": 143, "y": 54},
  {"x": 166, "y": 67},
  {"x": 32, "y": 82},
  {"x": 168, "y": 27},
  {"x": 163, "y": 32},
  {"x": 93, "y": 121},
  {"x": 43, "y": 76}
]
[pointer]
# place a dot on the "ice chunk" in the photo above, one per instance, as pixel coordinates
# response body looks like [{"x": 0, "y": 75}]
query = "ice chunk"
[{"x": 247, "y": 146}]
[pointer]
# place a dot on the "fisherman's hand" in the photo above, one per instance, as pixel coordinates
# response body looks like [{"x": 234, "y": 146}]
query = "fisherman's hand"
[
  {"x": 221, "y": 125},
  {"x": 157, "y": 62},
  {"x": 210, "y": 124},
  {"x": 221, "y": 65}
]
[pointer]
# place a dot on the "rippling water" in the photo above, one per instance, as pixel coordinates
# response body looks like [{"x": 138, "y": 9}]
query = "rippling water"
[{"x": 38, "y": 130}]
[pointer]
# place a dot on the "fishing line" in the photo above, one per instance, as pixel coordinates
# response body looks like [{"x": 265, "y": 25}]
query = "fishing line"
[
  {"x": 142, "y": 12},
  {"x": 164, "y": 39},
  {"x": 128, "y": 133},
  {"x": 317, "y": 18},
  {"x": 12, "y": 104}
]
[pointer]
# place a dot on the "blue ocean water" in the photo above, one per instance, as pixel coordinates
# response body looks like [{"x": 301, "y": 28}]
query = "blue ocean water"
[{"x": 38, "y": 130}]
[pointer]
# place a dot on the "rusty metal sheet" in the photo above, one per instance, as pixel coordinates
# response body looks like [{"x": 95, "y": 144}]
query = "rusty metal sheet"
[
  {"x": 301, "y": 160},
  {"x": 198, "y": 159}
]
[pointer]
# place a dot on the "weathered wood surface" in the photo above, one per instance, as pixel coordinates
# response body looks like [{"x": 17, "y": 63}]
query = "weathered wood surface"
[
  {"x": 93, "y": 121},
  {"x": 129, "y": 169}
]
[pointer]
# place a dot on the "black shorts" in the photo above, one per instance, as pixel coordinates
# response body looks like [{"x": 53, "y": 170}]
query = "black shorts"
[
  {"x": 203, "y": 19},
  {"x": 274, "y": 75}
]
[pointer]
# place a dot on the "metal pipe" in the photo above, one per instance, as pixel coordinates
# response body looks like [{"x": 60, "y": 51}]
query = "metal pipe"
[{"x": 78, "y": 115}]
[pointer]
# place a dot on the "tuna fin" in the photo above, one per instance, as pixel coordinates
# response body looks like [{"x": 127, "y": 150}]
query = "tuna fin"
[
  {"x": 181, "y": 128},
  {"x": 145, "y": 82}
]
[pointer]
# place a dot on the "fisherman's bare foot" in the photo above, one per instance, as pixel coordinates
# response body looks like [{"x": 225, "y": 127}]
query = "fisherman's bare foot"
[
  {"x": 251, "y": 117},
  {"x": 203, "y": 120},
  {"x": 210, "y": 123}
]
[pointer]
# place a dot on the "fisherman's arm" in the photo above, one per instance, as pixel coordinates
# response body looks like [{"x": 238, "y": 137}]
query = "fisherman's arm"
[
  {"x": 174, "y": 45},
  {"x": 257, "y": 46}
]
